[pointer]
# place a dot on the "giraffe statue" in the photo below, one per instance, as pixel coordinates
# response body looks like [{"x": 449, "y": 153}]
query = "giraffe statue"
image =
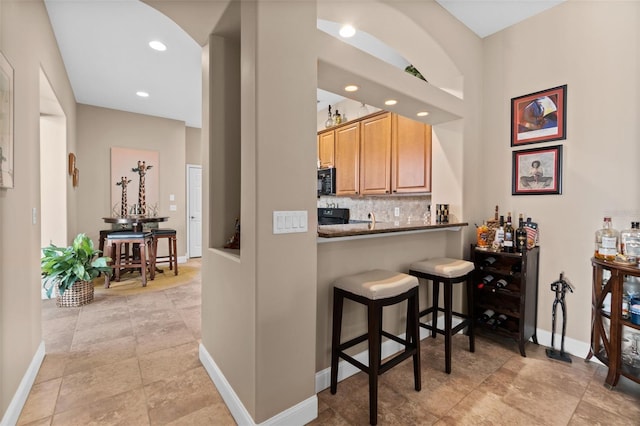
[
  {"x": 142, "y": 171},
  {"x": 123, "y": 205}
]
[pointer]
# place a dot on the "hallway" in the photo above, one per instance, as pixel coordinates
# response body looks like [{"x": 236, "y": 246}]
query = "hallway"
[{"x": 133, "y": 360}]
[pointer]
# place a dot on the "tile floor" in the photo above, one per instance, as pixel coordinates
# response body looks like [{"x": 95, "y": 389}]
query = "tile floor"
[{"x": 133, "y": 360}]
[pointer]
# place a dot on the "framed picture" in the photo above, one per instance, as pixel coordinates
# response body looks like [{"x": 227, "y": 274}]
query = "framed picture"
[
  {"x": 539, "y": 117},
  {"x": 537, "y": 171},
  {"x": 6, "y": 123}
]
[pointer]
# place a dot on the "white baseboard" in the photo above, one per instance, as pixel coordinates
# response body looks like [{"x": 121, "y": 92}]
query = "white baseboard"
[
  {"x": 183, "y": 259},
  {"x": 574, "y": 347},
  {"x": 300, "y": 414},
  {"x": 22, "y": 393}
]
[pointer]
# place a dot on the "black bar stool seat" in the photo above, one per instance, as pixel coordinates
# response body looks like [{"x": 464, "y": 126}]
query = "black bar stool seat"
[{"x": 172, "y": 257}]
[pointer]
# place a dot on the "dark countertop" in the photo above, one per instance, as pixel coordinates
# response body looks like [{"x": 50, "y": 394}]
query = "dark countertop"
[{"x": 357, "y": 229}]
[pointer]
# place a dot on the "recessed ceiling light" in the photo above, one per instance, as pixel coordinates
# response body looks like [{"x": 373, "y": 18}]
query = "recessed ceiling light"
[
  {"x": 347, "y": 31},
  {"x": 351, "y": 88},
  {"x": 422, "y": 114},
  {"x": 142, "y": 94},
  {"x": 390, "y": 102},
  {"x": 157, "y": 45}
]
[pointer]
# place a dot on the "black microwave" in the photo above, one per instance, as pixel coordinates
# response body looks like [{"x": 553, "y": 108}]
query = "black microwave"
[{"x": 327, "y": 181}]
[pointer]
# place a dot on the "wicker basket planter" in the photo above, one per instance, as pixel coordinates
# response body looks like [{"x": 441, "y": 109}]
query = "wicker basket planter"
[{"x": 80, "y": 293}]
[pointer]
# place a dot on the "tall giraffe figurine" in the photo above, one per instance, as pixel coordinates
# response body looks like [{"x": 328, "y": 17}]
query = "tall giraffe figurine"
[
  {"x": 123, "y": 205},
  {"x": 142, "y": 171}
]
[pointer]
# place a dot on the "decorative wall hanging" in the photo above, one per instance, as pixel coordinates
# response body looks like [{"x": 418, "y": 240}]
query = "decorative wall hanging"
[
  {"x": 539, "y": 117},
  {"x": 123, "y": 165},
  {"x": 6, "y": 123},
  {"x": 537, "y": 171}
]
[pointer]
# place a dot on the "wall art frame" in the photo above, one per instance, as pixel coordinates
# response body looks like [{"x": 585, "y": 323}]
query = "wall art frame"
[
  {"x": 539, "y": 117},
  {"x": 537, "y": 171},
  {"x": 6, "y": 123}
]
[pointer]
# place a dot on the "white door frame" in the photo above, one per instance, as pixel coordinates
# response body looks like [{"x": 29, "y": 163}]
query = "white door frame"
[{"x": 188, "y": 169}]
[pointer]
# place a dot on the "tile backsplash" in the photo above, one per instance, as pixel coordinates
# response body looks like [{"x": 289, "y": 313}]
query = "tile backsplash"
[{"x": 411, "y": 208}]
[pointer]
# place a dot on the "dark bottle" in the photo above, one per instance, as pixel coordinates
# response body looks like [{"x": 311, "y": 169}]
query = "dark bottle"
[
  {"x": 499, "y": 320},
  {"x": 508, "y": 235},
  {"x": 485, "y": 281},
  {"x": 486, "y": 315},
  {"x": 521, "y": 236},
  {"x": 501, "y": 283},
  {"x": 488, "y": 261}
]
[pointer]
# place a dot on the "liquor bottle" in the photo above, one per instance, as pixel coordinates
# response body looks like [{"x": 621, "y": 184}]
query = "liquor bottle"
[
  {"x": 607, "y": 241},
  {"x": 508, "y": 235},
  {"x": 488, "y": 261},
  {"x": 337, "y": 118},
  {"x": 499, "y": 238},
  {"x": 486, "y": 315},
  {"x": 521, "y": 236},
  {"x": 329, "y": 122},
  {"x": 630, "y": 240}
]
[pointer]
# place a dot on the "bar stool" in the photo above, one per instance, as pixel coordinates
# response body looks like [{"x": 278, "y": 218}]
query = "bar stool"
[
  {"x": 170, "y": 235},
  {"x": 144, "y": 242},
  {"x": 376, "y": 289},
  {"x": 448, "y": 272}
]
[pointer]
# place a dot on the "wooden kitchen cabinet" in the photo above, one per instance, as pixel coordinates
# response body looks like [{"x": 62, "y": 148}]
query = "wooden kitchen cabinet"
[
  {"x": 326, "y": 149},
  {"x": 375, "y": 155},
  {"x": 380, "y": 154},
  {"x": 347, "y": 159},
  {"x": 411, "y": 156}
]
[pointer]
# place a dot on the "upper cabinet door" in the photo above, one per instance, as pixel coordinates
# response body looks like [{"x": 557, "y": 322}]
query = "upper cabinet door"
[
  {"x": 347, "y": 159},
  {"x": 375, "y": 155},
  {"x": 326, "y": 149},
  {"x": 411, "y": 167}
]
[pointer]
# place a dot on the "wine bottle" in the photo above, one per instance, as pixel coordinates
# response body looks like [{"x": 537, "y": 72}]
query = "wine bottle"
[
  {"x": 486, "y": 315},
  {"x": 521, "y": 236},
  {"x": 501, "y": 283},
  {"x": 508, "y": 235},
  {"x": 488, "y": 261},
  {"x": 499, "y": 238},
  {"x": 487, "y": 279},
  {"x": 500, "y": 319}
]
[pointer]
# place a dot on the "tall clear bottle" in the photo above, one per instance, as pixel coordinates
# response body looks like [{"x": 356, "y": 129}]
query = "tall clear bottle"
[
  {"x": 630, "y": 240},
  {"x": 329, "y": 122},
  {"x": 607, "y": 241},
  {"x": 499, "y": 237}
]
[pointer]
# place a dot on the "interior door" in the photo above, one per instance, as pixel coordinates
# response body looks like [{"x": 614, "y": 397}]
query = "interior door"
[{"x": 194, "y": 210}]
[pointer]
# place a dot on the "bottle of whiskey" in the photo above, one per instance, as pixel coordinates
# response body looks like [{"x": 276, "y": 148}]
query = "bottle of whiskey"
[
  {"x": 607, "y": 241},
  {"x": 630, "y": 240},
  {"x": 521, "y": 236},
  {"x": 499, "y": 238},
  {"x": 508, "y": 235}
]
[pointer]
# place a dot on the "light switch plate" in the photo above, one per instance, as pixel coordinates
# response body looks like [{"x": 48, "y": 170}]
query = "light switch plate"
[
  {"x": 288, "y": 222},
  {"x": 173, "y": 207}
]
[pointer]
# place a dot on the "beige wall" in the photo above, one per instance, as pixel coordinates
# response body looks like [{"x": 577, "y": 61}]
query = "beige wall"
[
  {"x": 26, "y": 39},
  {"x": 594, "y": 48},
  {"x": 100, "y": 129},
  {"x": 193, "y": 143}
]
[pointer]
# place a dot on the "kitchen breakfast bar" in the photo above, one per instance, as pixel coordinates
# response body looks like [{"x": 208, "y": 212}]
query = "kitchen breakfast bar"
[{"x": 356, "y": 247}]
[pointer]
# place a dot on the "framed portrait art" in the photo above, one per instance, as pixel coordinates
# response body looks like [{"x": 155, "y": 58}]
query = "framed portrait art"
[
  {"x": 537, "y": 171},
  {"x": 539, "y": 117},
  {"x": 6, "y": 123}
]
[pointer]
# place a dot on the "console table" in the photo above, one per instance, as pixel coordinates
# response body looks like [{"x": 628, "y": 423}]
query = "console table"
[{"x": 606, "y": 339}]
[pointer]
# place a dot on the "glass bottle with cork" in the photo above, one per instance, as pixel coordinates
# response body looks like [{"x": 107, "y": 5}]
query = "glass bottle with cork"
[
  {"x": 607, "y": 241},
  {"x": 521, "y": 236}
]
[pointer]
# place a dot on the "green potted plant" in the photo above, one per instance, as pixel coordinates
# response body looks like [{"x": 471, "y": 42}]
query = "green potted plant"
[{"x": 70, "y": 271}]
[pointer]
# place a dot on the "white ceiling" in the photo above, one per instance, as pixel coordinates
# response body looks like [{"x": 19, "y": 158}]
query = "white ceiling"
[{"x": 104, "y": 45}]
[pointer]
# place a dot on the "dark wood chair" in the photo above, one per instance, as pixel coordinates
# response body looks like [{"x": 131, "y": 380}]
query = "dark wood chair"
[{"x": 143, "y": 258}]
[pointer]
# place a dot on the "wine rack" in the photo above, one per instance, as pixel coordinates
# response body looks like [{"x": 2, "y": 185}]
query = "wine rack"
[{"x": 517, "y": 301}]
